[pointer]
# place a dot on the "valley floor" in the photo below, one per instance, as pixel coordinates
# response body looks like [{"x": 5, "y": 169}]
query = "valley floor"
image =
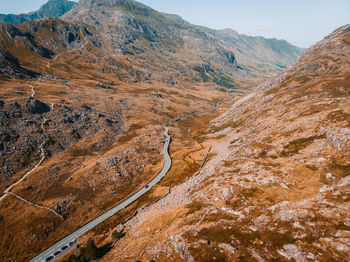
[{"x": 86, "y": 169}]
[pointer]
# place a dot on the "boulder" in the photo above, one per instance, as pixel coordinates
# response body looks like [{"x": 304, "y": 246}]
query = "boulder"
[{"x": 34, "y": 106}]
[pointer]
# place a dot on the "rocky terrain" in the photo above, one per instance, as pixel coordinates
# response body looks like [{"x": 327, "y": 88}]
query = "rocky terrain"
[
  {"x": 135, "y": 43},
  {"x": 30, "y": 123},
  {"x": 82, "y": 102},
  {"x": 10, "y": 67},
  {"x": 53, "y": 8},
  {"x": 185, "y": 51},
  {"x": 277, "y": 183}
]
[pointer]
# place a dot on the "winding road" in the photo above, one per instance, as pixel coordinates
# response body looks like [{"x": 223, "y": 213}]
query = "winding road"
[{"x": 166, "y": 167}]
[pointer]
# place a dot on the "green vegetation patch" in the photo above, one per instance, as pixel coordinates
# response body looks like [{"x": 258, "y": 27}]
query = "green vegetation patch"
[
  {"x": 90, "y": 252},
  {"x": 219, "y": 137},
  {"x": 217, "y": 217},
  {"x": 272, "y": 91},
  {"x": 338, "y": 116},
  {"x": 339, "y": 168},
  {"x": 208, "y": 253},
  {"x": 204, "y": 76},
  {"x": 226, "y": 235}
]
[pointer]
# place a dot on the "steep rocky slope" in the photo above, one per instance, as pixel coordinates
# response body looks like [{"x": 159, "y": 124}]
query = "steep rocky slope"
[
  {"x": 83, "y": 101},
  {"x": 53, "y": 8},
  {"x": 277, "y": 183},
  {"x": 38, "y": 44},
  {"x": 10, "y": 67}
]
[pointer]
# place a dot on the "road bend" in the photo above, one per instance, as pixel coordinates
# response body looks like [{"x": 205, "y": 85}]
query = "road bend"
[{"x": 90, "y": 225}]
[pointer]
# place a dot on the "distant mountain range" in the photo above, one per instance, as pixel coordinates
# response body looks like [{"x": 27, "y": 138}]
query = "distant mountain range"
[
  {"x": 221, "y": 56},
  {"x": 53, "y": 8},
  {"x": 158, "y": 46}
]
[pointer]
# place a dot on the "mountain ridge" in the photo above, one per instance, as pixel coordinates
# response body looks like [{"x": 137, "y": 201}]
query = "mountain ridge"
[
  {"x": 127, "y": 24},
  {"x": 157, "y": 41}
]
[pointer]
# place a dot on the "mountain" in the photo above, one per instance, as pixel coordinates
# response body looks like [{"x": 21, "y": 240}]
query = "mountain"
[
  {"x": 53, "y": 8},
  {"x": 150, "y": 42},
  {"x": 224, "y": 57},
  {"x": 277, "y": 181}
]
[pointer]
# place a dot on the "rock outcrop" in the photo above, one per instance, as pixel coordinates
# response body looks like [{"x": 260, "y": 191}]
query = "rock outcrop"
[
  {"x": 35, "y": 106},
  {"x": 10, "y": 67}
]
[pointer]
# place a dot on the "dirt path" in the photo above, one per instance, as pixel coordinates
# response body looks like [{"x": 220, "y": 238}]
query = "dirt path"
[
  {"x": 43, "y": 156},
  {"x": 36, "y": 205},
  {"x": 32, "y": 90},
  {"x": 49, "y": 63}
]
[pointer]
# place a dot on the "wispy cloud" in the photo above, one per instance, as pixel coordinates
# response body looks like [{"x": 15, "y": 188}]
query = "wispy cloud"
[{"x": 23, "y": 12}]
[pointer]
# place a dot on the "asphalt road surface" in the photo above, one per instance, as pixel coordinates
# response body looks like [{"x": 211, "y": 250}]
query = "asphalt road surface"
[{"x": 81, "y": 231}]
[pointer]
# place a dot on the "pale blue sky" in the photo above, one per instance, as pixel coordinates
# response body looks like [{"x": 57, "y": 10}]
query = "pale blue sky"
[{"x": 301, "y": 22}]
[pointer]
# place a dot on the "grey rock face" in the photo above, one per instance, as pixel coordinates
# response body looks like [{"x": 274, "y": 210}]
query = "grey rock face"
[
  {"x": 35, "y": 106},
  {"x": 26, "y": 124},
  {"x": 10, "y": 67},
  {"x": 131, "y": 28},
  {"x": 53, "y": 8}
]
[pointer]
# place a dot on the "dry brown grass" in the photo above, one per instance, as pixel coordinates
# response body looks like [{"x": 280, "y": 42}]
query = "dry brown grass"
[{"x": 51, "y": 179}]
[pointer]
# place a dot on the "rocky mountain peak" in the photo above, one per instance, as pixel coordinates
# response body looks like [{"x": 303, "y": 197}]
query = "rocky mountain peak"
[
  {"x": 125, "y": 5},
  {"x": 53, "y": 8},
  {"x": 128, "y": 3},
  {"x": 56, "y": 8},
  {"x": 345, "y": 29}
]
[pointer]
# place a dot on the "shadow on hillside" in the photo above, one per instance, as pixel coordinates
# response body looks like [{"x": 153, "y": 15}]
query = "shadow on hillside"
[{"x": 90, "y": 252}]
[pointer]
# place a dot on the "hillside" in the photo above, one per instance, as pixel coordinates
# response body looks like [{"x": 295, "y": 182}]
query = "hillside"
[
  {"x": 135, "y": 43},
  {"x": 83, "y": 101},
  {"x": 276, "y": 186},
  {"x": 53, "y": 8},
  {"x": 172, "y": 44}
]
